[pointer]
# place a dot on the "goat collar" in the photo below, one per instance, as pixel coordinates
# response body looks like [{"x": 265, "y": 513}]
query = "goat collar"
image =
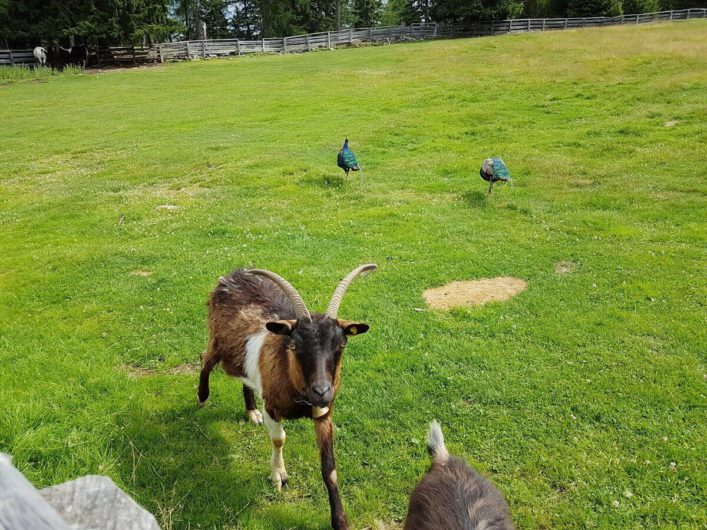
[{"x": 318, "y": 412}]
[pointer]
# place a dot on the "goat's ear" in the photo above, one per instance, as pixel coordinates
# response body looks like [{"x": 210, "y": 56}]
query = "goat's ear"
[
  {"x": 281, "y": 327},
  {"x": 353, "y": 328}
]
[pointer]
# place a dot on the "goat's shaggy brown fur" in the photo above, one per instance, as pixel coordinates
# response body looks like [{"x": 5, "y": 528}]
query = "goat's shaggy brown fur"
[{"x": 452, "y": 496}]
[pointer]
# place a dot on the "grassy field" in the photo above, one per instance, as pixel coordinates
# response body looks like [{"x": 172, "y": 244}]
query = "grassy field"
[{"x": 583, "y": 398}]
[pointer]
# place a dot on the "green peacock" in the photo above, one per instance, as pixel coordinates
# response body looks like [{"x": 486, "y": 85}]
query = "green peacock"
[
  {"x": 494, "y": 170},
  {"x": 346, "y": 159}
]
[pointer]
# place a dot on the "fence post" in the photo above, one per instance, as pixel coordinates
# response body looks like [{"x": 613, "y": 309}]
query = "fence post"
[
  {"x": 544, "y": 20},
  {"x": 565, "y": 23},
  {"x": 528, "y": 24},
  {"x": 188, "y": 51},
  {"x": 161, "y": 56},
  {"x": 203, "y": 49},
  {"x": 133, "y": 50},
  {"x": 328, "y": 39},
  {"x": 12, "y": 59},
  {"x": 434, "y": 35},
  {"x": 493, "y": 29},
  {"x": 309, "y": 46},
  {"x": 263, "y": 45},
  {"x": 370, "y": 34},
  {"x": 238, "y": 46},
  {"x": 350, "y": 35},
  {"x": 284, "y": 44},
  {"x": 688, "y": 14}
]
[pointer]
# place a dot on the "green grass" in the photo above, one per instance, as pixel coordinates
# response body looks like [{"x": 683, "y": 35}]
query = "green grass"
[
  {"x": 583, "y": 398},
  {"x": 13, "y": 74}
]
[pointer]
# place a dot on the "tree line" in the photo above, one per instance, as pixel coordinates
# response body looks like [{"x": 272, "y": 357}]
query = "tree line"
[{"x": 26, "y": 23}]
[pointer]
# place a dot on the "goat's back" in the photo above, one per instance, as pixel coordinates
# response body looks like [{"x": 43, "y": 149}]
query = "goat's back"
[
  {"x": 239, "y": 307},
  {"x": 452, "y": 496},
  {"x": 240, "y": 291}
]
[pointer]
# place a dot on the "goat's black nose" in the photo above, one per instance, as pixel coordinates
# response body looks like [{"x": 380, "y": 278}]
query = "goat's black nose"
[{"x": 321, "y": 389}]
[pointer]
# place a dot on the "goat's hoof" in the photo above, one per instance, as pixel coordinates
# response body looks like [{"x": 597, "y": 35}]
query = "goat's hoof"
[
  {"x": 255, "y": 417},
  {"x": 199, "y": 402},
  {"x": 279, "y": 479}
]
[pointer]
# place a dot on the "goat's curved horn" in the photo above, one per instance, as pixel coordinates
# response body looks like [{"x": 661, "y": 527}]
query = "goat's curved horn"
[
  {"x": 333, "y": 309},
  {"x": 301, "y": 310}
]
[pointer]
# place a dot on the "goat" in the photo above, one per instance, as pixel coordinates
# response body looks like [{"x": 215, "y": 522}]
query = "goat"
[
  {"x": 59, "y": 57},
  {"x": 40, "y": 54},
  {"x": 261, "y": 331},
  {"x": 453, "y": 496}
]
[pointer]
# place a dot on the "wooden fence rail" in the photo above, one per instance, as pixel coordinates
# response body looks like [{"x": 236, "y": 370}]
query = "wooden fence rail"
[{"x": 202, "y": 49}]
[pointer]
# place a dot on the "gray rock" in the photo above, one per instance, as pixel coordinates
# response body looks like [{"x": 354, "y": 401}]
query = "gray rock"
[
  {"x": 96, "y": 503},
  {"x": 21, "y": 506},
  {"x": 87, "y": 503}
]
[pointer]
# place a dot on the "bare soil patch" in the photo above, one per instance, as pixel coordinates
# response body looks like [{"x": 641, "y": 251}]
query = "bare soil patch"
[
  {"x": 137, "y": 372},
  {"x": 168, "y": 207},
  {"x": 474, "y": 292},
  {"x": 565, "y": 267}
]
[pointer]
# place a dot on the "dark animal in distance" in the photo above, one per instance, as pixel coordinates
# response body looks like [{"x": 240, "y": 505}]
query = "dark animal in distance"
[
  {"x": 494, "y": 170},
  {"x": 346, "y": 159},
  {"x": 452, "y": 496},
  {"x": 59, "y": 57},
  {"x": 261, "y": 331}
]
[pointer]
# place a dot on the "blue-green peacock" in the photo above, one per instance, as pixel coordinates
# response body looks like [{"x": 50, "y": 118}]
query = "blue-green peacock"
[
  {"x": 346, "y": 159},
  {"x": 494, "y": 170}
]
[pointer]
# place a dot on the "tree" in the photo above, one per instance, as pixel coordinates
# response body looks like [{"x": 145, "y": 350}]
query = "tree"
[
  {"x": 366, "y": 13},
  {"x": 31, "y": 22},
  {"x": 465, "y": 11},
  {"x": 631, "y": 7},
  {"x": 391, "y": 14},
  {"x": 589, "y": 8}
]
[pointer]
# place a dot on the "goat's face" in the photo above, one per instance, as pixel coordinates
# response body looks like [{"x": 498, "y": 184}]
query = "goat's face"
[{"x": 316, "y": 347}]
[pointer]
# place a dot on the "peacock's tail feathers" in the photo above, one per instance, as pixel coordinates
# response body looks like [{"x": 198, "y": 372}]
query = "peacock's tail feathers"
[
  {"x": 349, "y": 159},
  {"x": 500, "y": 171}
]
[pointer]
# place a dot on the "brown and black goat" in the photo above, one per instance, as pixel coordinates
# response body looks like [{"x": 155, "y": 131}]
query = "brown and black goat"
[
  {"x": 452, "y": 496},
  {"x": 261, "y": 331}
]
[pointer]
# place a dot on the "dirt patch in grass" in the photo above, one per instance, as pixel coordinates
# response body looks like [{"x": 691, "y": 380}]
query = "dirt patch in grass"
[
  {"x": 382, "y": 525},
  {"x": 137, "y": 372},
  {"x": 474, "y": 292},
  {"x": 565, "y": 267},
  {"x": 144, "y": 274}
]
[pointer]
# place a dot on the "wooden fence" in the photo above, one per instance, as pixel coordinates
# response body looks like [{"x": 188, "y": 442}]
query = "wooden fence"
[
  {"x": 102, "y": 56},
  {"x": 174, "y": 51}
]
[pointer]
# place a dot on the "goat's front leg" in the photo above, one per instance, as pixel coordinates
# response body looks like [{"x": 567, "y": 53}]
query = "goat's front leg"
[
  {"x": 278, "y": 475},
  {"x": 325, "y": 440}
]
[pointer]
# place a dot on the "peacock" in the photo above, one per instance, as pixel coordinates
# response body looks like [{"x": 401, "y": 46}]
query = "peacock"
[
  {"x": 493, "y": 170},
  {"x": 346, "y": 159}
]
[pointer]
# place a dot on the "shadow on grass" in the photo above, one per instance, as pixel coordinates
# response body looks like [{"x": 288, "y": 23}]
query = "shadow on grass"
[
  {"x": 204, "y": 468},
  {"x": 325, "y": 181},
  {"x": 475, "y": 199}
]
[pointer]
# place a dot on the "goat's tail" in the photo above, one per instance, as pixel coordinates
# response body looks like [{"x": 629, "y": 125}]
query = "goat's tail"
[{"x": 435, "y": 443}]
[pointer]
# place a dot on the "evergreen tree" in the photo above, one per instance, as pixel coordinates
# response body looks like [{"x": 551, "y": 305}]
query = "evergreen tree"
[
  {"x": 392, "y": 13},
  {"x": 589, "y": 8},
  {"x": 366, "y": 13},
  {"x": 31, "y": 22},
  {"x": 631, "y": 7}
]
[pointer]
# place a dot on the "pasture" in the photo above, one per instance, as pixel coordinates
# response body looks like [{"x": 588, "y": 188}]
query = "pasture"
[{"x": 582, "y": 398}]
